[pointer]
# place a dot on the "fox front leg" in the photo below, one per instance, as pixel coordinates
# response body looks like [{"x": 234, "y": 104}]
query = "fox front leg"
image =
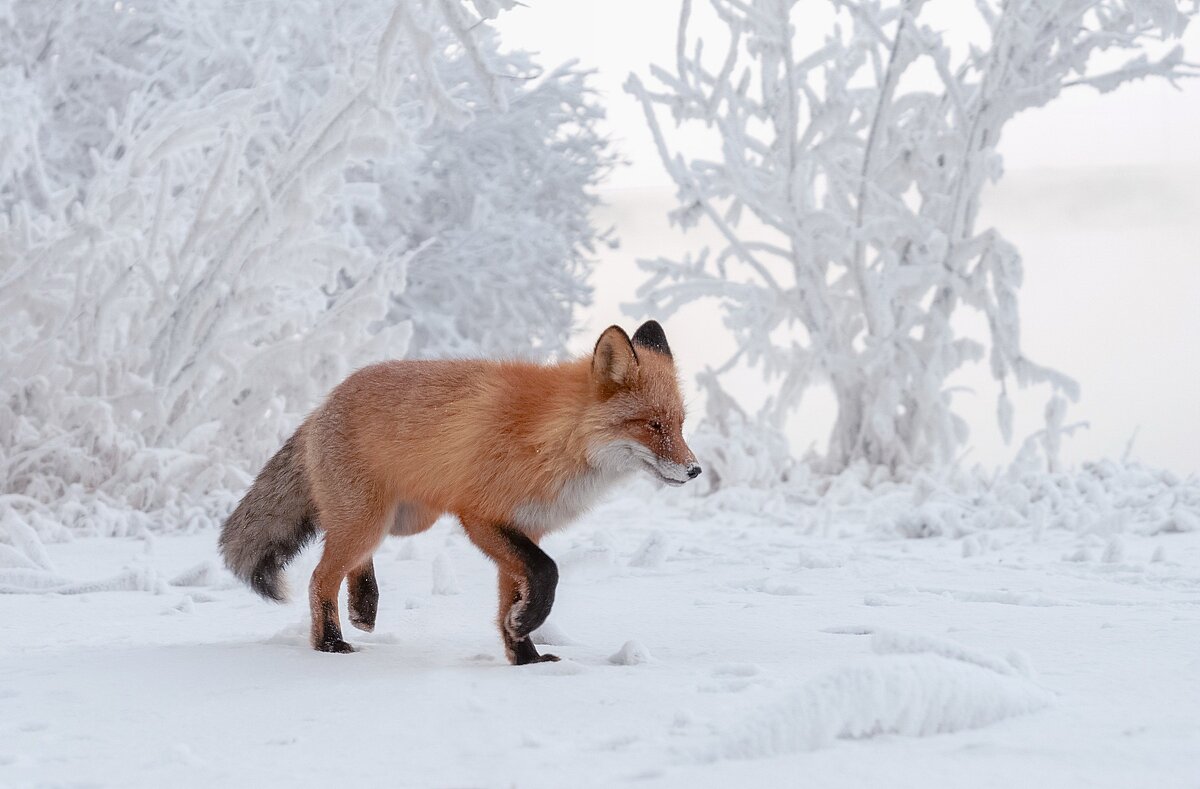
[
  {"x": 525, "y": 598},
  {"x": 518, "y": 611},
  {"x": 528, "y": 580}
]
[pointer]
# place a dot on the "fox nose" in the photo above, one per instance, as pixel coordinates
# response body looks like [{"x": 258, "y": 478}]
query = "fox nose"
[{"x": 694, "y": 470}]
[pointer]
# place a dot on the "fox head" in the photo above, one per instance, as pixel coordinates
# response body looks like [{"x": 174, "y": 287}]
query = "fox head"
[{"x": 639, "y": 409}]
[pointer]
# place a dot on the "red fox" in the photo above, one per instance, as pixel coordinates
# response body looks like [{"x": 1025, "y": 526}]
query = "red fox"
[{"x": 515, "y": 450}]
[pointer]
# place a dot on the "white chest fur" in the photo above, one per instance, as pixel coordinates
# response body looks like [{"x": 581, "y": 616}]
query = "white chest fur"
[{"x": 574, "y": 498}]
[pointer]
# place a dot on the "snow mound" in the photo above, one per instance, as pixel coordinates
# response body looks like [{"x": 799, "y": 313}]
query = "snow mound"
[
  {"x": 1177, "y": 522},
  {"x": 911, "y": 695},
  {"x": 1114, "y": 552},
  {"x": 633, "y": 653}
]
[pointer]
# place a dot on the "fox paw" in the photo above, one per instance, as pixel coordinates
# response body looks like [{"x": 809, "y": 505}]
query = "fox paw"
[
  {"x": 522, "y": 652},
  {"x": 364, "y": 622},
  {"x": 334, "y": 645}
]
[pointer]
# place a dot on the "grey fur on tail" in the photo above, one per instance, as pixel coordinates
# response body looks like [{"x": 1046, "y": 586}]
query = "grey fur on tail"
[{"x": 271, "y": 524}]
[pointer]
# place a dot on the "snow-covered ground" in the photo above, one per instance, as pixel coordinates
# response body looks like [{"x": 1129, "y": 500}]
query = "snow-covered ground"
[{"x": 997, "y": 635}]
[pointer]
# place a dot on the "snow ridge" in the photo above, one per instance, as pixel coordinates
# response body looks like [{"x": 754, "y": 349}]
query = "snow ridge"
[{"x": 939, "y": 687}]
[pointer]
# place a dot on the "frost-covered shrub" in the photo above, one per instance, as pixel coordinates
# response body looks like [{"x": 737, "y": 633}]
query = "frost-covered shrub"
[
  {"x": 504, "y": 202},
  {"x": 1085, "y": 507},
  {"x": 861, "y": 163},
  {"x": 208, "y": 215}
]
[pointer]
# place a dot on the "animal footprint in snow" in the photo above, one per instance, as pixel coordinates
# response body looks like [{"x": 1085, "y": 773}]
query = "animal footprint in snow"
[
  {"x": 781, "y": 588},
  {"x": 808, "y": 559},
  {"x": 653, "y": 551},
  {"x": 737, "y": 670},
  {"x": 733, "y": 678}
]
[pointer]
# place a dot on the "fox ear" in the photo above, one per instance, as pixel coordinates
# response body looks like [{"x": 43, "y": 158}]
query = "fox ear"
[
  {"x": 614, "y": 360},
  {"x": 651, "y": 335}
]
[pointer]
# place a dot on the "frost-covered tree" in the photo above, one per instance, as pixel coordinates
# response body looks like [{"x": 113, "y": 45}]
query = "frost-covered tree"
[
  {"x": 861, "y": 163},
  {"x": 211, "y": 213},
  {"x": 504, "y": 203}
]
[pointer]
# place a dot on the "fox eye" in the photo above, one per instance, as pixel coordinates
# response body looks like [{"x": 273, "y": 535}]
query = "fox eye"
[{"x": 656, "y": 425}]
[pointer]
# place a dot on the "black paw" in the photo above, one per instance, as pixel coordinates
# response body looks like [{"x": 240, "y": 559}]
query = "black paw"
[
  {"x": 364, "y": 621},
  {"x": 523, "y": 652},
  {"x": 334, "y": 645}
]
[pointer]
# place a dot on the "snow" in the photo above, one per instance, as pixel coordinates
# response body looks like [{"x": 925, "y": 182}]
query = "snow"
[
  {"x": 891, "y": 660},
  {"x": 445, "y": 581}
]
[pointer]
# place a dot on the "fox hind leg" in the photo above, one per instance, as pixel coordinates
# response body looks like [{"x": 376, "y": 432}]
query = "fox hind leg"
[
  {"x": 327, "y": 630},
  {"x": 323, "y": 598},
  {"x": 408, "y": 519},
  {"x": 364, "y": 596},
  {"x": 350, "y": 539}
]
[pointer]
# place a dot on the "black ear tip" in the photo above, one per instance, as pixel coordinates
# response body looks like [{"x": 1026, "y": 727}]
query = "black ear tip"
[{"x": 651, "y": 335}]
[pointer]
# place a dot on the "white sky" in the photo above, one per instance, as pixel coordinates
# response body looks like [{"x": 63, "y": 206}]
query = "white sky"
[{"x": 1100, "y": 195}]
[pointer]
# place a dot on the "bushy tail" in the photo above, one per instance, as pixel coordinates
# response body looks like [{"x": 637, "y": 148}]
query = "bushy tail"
[{"x": 273, "y": 521}]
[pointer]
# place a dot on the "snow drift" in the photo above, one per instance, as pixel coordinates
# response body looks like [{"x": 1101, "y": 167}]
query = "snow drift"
[{"x": 939, "y": 688}]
